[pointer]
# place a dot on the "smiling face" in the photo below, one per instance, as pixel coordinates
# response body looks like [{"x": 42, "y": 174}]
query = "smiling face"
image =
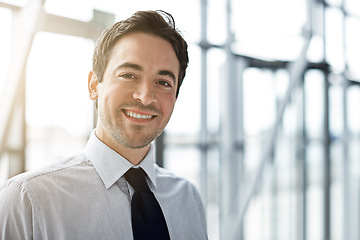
[{"x": 138, "y": 92}]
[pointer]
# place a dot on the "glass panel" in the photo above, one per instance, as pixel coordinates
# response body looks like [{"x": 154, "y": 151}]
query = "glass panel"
[
  {"x": 216, "y": 22},
  {"x": 189, "y": 26},
  {"x": 184, "y": 162},
  {"x": 79, "y": 9},
  {"x": 334, "y": 38},
  {"x": 315, "y": 52},
  {"x": 353, "y": 110},
  {"x": 353, "y": 6},
  {"x": 215, "y": 69},
  {"x": 59, "y": 113},
  {"x": 286, "y": 171},
  {"x": 314, "y": 103},
  {"x": 5, "y": 44},
  {"x": 352, "y": 38},
  {"x": 269, "y": 29},
  {"x": 336, "y": 110},
  {"x": 281, "y": 83},
  {"x": 213, "y": 190},
  {"x": 186, "y": 116},
  {"x": 253, "y": 220},
  {"x": 337, "y": 191},
  {"x": 83, "y": 10},
  {"x": 315, "y": 209},
  {"x": 259, "y": 100}
]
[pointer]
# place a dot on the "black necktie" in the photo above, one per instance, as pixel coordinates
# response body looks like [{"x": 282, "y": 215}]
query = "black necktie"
[{"x": 148, "y": 221}]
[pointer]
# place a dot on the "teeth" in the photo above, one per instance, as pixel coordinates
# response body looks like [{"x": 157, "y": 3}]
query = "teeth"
[{"x": 137, "y": 115}]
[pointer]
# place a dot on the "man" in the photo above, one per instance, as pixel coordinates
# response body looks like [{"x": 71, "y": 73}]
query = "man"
[{"x": 138, "y": 67}]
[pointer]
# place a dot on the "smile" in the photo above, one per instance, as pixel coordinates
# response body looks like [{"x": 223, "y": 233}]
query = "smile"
[{"x": 137, "y": 115}]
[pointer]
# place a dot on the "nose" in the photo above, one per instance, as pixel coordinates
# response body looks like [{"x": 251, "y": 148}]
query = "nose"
[{"x": 144, "y": 93}]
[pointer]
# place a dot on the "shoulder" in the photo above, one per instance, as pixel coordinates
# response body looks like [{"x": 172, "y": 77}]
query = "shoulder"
[
  {"x": 19, "y": 196},
  {"x": 168, "y": 181},
  {"x": 48, "y": 170},
  {"x": 28, "y": 187},
  {"x": 163, "y": 174}
]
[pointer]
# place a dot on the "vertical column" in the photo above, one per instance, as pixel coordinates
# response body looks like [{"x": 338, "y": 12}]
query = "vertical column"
[
  {"x": 302, "y": 160},
  {"x": 346, "y": 172},
  {"x": 231, "y": 139},
  {"x": 326, "y": 136},
  {"x": 203, "y": 127},
  {"x": 327, "y": 161},
  {"x": 345, "y": 137}
]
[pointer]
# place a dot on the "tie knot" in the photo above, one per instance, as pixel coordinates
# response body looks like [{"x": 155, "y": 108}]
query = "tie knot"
[{"x": 136, "y": 178}]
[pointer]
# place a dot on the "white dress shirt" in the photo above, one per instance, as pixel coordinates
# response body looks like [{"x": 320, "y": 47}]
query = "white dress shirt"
[{"x": 86, "y": 197}]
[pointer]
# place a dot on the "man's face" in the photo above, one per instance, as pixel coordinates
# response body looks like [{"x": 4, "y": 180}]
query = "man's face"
[{"x": 138, "y": 92}]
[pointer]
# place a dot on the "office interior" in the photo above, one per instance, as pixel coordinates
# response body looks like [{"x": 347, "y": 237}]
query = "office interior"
[{"x": 267, "y": 123}]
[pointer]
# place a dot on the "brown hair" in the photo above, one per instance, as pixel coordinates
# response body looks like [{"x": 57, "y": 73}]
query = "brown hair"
[{"x": 157, "y": 23}]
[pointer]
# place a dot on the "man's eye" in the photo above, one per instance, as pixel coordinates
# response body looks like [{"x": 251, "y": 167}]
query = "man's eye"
[
  {"x": 164, "y": 83},
  {"x": 127, "y": 75}
]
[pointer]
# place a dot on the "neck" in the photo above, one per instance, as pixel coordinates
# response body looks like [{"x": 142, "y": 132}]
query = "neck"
[{"x": 133, "y": 155}]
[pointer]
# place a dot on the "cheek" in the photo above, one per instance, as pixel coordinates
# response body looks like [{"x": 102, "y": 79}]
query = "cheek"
[
  {"x": 168, "y": 106},
  {"x": 113, "y": 96},
  {"x": 106, "y": 104}
]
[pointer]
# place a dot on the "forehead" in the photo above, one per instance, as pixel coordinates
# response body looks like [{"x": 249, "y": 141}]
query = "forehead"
[{"x": 144, "y": 48}]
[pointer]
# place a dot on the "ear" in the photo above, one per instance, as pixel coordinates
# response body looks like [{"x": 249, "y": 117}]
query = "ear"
[{"x": 92, "y": 85}]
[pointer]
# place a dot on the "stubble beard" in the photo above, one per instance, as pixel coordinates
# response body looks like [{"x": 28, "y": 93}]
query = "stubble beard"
[
  {"x": 140, "y": 136},
  {"x": 133, "y": 142}
]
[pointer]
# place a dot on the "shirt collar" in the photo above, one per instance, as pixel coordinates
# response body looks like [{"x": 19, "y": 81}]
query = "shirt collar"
[{"x": 111, "y": 166}]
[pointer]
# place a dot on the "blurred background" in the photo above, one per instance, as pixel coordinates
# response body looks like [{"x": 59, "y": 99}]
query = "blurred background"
[{"x": 267, "y": 124}]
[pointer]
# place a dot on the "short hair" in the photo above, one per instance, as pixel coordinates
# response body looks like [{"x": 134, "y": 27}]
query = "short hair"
[{"x": 157, "y": 23}]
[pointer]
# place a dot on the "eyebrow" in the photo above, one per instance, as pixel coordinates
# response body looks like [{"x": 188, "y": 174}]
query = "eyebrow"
[
  {"x": 139, "y": 68},
  {"x": 129, "y": 65},
  {"x": 168, "y": 73}
]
